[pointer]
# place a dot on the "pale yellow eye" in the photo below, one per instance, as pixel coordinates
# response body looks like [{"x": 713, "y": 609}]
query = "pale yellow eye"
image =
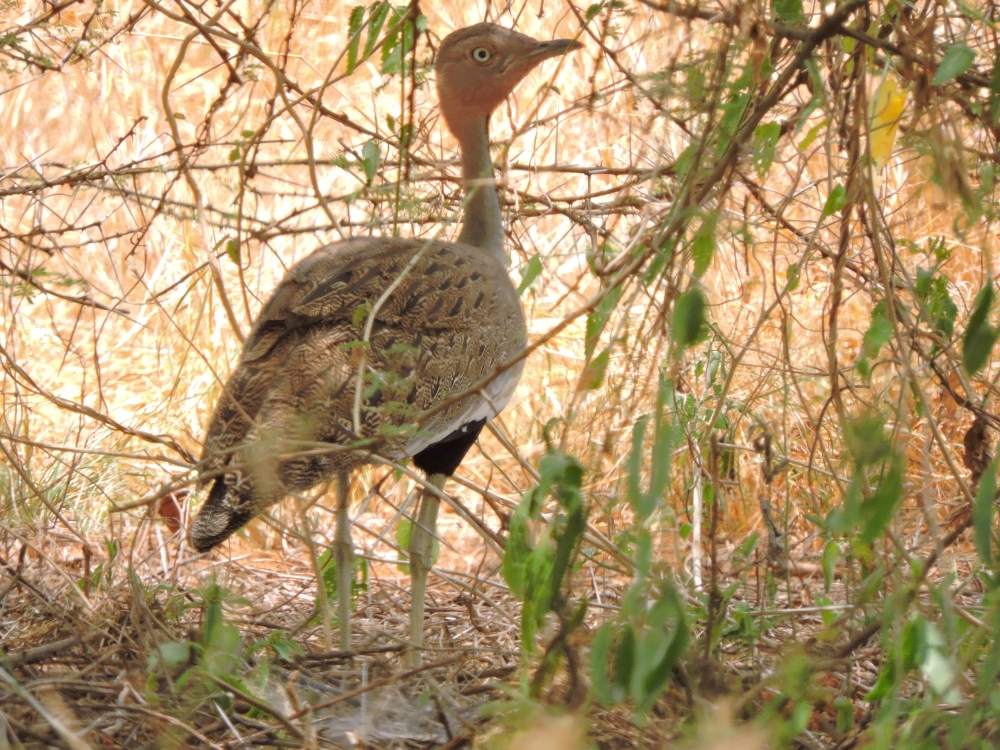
[{"x": 481, "y": 54}]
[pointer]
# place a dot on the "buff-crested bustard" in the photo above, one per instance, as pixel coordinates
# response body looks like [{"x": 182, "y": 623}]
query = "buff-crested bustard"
[{"x": 434, "y": 319}]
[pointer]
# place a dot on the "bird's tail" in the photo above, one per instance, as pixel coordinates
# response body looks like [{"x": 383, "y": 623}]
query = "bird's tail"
[{"x": 225, "y": 511}]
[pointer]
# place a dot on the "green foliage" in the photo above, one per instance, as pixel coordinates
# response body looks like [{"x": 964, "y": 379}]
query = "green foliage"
[
  {"x": 593, "y": 375},
  {"x": 531, "y": 272},
  {"x": 28, "y": 283},
  {"x": 866, "y": 439},
  {"x": 404, "y": 529},
  {"x": 932, "y": 290},
  {"x": 957, "y": 59},
  {"x": 370, "y": 160},
  {"x": 984, "y": 512},
  {"x": 994, "y": 98},
  {"x": 788, "y": 10},
  {"x": 878, "y": 508},
  {"x": 540, "y": 557},
  {"x": 354, "y": 35},
  {"x": 732, "y": 114},
  {"x": 835, "y": 201},
  {"x": 980, "y": 336},
  {"x": 598, "y": 319},
  {"x": 765, "y": 140},
  {"x": 690, "y": 325},
  {"x": 921, "y": 646},
  {"x": 703, "y": 245},
  {"x": 359, "y": 580},
  {"x": 284, "y": 648},
  {"x": 398, "y": 42},
  {"x": 634, "y": 657},
  {"x": 879, "y": 334},
  {"x": 871, "y": 449},
  {"x": 645, "y": 501}
]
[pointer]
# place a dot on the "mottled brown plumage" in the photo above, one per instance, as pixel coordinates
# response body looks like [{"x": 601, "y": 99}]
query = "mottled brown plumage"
[
  {"x": 425, "y": 320},
  {"x": 450, "y": 321}
]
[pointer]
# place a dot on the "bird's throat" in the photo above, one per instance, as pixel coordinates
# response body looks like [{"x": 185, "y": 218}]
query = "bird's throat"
[{"x": 482, "y": 224}]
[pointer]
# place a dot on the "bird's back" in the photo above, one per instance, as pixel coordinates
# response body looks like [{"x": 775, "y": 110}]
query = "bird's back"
[{"x": 450, "y": 317}]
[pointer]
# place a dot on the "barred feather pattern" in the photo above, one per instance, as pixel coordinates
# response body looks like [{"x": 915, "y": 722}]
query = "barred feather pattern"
[{"x": 284, "y": 421}]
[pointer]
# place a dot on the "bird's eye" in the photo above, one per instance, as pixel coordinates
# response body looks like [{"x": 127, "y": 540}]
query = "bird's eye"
[{"x": 481, "y": 54}]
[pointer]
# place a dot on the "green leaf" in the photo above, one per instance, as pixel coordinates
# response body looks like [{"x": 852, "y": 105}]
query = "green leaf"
[
  {"x": 361, "y": 313},
  {"x": 980, "y": 336},
  {"x": 537, "y": 593},
  {"x": 354, "y": 35},
  {"x": 831, "y": 553},
  {"x": 957, "y": 59},
  {"x": 689, "y": 318},
  {"x": 788, "y": 10},
  {"x": 878, "y": 334},
  {"x": 878, "y": 509},
  {"x": 174, "y": 653},
  {"x": 933, "y": 289},
  {"x": 748, "y": 546},
  {"x": 233, "y": 250},
  {"x": 866, "y": 439},
  {"x": 834, "y": 201},
  {"x": 371, "y": 159},
  {"x": 398, "y": 40},
  {"x": 377, "y": 16},
  {"x": 765, "y": 140},
  {"x": 403, "y": 531},
  {"x": 732, "y": 115},
  {"x": 566, "y": 547},
  {"x": 644, "y": 503},
  {"x": 983, "y": 512},
  {"x": 806, "y": 142},
  {"x": 517, "y": 550},
  {"x": 598, "y": 318},
  {"x": 794, "y": 275},
  {"x": 593, "y": 374},
  {"x": 600, "y": 678},
  {"x": 939, "y": 669},
  {"x": 885, "y": 682},
  {"x": 994, "y": 100},
  {"x": 703, "y": 246},
  {"x": 913, "y": 643},
  {"x": 662, "y": 446},
  {"x": 624, "y": 665},
  {"x": 656, "y": 678},
  {"x": 530, "y": 273},
  {"x": 635, "y": 466}
]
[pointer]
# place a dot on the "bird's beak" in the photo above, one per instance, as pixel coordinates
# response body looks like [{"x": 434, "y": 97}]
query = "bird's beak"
[
  {"x": 556, "y": 47},
  {"x": 524, "y": 62}
]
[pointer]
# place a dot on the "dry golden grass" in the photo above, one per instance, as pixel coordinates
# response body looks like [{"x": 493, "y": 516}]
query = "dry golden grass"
[{"x": 116, "y": 339}]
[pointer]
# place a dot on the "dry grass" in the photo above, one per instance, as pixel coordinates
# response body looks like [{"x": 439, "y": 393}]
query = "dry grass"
[{"x": 127, "y": 175}]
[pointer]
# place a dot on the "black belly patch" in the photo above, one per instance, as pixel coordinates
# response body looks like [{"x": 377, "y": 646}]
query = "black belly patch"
[{"x": 444, "y": 456}]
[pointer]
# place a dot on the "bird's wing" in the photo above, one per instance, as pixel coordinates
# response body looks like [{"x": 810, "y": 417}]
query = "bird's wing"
[
  {"x": 451, "y": 317},
  {"x": 435, "y": 286}
]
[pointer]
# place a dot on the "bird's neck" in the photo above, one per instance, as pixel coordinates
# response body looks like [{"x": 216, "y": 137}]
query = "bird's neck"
[{"x": 482, "y": 224}]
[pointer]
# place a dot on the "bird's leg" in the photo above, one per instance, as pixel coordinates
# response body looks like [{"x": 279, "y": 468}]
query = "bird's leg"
[
  {"x": 422, "y": 535},
  {"x": 343, "y": 551}
]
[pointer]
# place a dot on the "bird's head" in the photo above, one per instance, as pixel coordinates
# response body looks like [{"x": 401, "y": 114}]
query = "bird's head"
[{"x": 478, "y": 66}]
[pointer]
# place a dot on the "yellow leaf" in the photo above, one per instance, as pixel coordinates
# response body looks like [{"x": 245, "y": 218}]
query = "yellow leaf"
[{"x": 884, "y": 116}]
